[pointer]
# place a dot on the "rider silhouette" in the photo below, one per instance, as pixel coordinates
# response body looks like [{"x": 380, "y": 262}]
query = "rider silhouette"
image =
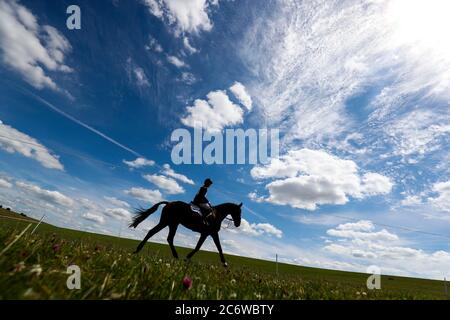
[{"x": 201, "y": 200}]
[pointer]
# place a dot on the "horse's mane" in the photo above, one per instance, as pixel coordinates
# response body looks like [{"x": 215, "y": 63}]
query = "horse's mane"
[{"x": 225, "y": 205}]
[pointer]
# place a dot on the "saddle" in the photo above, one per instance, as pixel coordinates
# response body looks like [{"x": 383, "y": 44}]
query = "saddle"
[{"x": 195, "y": 208}]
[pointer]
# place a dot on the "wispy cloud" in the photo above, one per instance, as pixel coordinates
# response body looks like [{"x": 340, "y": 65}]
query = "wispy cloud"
[
  {"x": 151, "y": 196},
  {"x": 28, "y": 47},
  {"x": 12, "y": 141},
  {"x": 139, "y": 162},
  {"x": 169, "y": 185},
  {"x": 168, "y": 171},
  {"x": 177, "y": 62},
  {"x": 186, "y": 16},
  {"x": 310, "y": 58}
]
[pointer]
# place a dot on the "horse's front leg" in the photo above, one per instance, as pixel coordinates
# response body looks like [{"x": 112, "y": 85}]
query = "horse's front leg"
[
  {"x": 216, "y": 239},
  {"x": 202, "y": 239},
  {"x": 170, "y": 237}
]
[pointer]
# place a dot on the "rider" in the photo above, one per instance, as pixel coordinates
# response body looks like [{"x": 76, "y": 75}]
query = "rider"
[{"x": 201, "y": 201}]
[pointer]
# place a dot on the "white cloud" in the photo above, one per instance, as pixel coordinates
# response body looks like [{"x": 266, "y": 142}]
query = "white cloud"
[
  {"x": 361, "y": 241},
  {"x": 154, "y": 7},
  {"x": 241, "y": 94},
  {"x": 375, "y": 183},
  {"x": 254, "y": 197},
  {"x": 151, "y": 196},
  {"x": 269, "y": 229},
  {"x": 118, "y": 213},
  {"x": 88, "y": 204},
  {"x": 168, "y": 171},
  {"x": 169, "y": 185},
  {"x": 187, "y": 78},
  {"x": 154, "y": 45},
  {"x": 12, "y": 140},
  {"x": 362, "y": 230},
  {"x": 361, "y": 225},
  {"x": 177, "y": 62},
  {"x": 52, "y": 197},
  {"x": 215, "y": 114},
  {"x": 257, "y": 229},
  {"x": 139, "y": 163},
  {"x": 442, "y": 201},
  {"x": 141, "y": 77},
  {"x": 188, "y": 46},
  {"x": 117, "y": 202},
  {"x": 93, "y": 217},
  {"x": 411, "y": 201},
  {"x": 28, "y": 47},
  {"x": 5, "y": 184},
  {"x": 186, "y": 15},
  {"x": 314, "y": 177}
]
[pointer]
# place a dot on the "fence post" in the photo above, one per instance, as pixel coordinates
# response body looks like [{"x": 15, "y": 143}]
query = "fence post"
[
  {"x": 445, "y": 286},
  {"x": 276, "y": 262}
]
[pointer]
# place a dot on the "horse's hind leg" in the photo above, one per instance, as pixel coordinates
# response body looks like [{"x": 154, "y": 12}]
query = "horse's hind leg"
[
  {"x": 170, "y": 237},
  {"x": 150, "y": 234}
]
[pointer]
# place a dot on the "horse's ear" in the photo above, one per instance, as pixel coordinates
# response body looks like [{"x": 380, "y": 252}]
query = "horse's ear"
[{"x": 240, "y": 204}]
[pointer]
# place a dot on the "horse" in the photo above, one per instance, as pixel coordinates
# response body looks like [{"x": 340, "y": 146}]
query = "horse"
[{"x": 178, "y": 212}]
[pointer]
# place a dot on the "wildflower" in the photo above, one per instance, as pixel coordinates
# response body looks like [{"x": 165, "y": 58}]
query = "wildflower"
[
  {"x": 233, "y": 295},
  {"x": 56, "y": 248},
  {"x": 233, "y": 281},
  {"x": 187, "y": 282},
  {"x": 168, "y": 265},
  {"x": 19, "y": 267},
  {"x": 36, "y": 270}
]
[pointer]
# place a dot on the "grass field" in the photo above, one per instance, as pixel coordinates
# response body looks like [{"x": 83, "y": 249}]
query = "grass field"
[{"x": 33, "y": 266}]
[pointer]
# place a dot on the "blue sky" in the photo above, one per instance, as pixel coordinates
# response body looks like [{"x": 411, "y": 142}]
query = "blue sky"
[{"x": 359, "y": 90}]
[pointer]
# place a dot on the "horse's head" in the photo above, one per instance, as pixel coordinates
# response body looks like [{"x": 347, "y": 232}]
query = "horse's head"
[{"x": 236, "y": 214}]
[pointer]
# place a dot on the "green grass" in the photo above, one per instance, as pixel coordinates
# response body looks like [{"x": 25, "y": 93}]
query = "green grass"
[{"x": 34, "y": 267}]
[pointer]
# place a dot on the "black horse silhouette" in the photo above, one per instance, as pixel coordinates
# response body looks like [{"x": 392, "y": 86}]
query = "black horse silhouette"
[{"x": 178, "y": 212}]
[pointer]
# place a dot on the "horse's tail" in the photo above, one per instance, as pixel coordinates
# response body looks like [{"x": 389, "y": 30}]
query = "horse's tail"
[{"x": 142, "y": 214}]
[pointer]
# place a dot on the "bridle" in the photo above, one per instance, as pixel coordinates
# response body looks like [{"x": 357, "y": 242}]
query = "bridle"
[{"x": 230, "y": 222}]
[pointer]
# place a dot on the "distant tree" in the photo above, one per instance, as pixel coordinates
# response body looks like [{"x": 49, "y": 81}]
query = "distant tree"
[
  {"x": 8, "y": 209},
  {"x": 1, "y": 207}
]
